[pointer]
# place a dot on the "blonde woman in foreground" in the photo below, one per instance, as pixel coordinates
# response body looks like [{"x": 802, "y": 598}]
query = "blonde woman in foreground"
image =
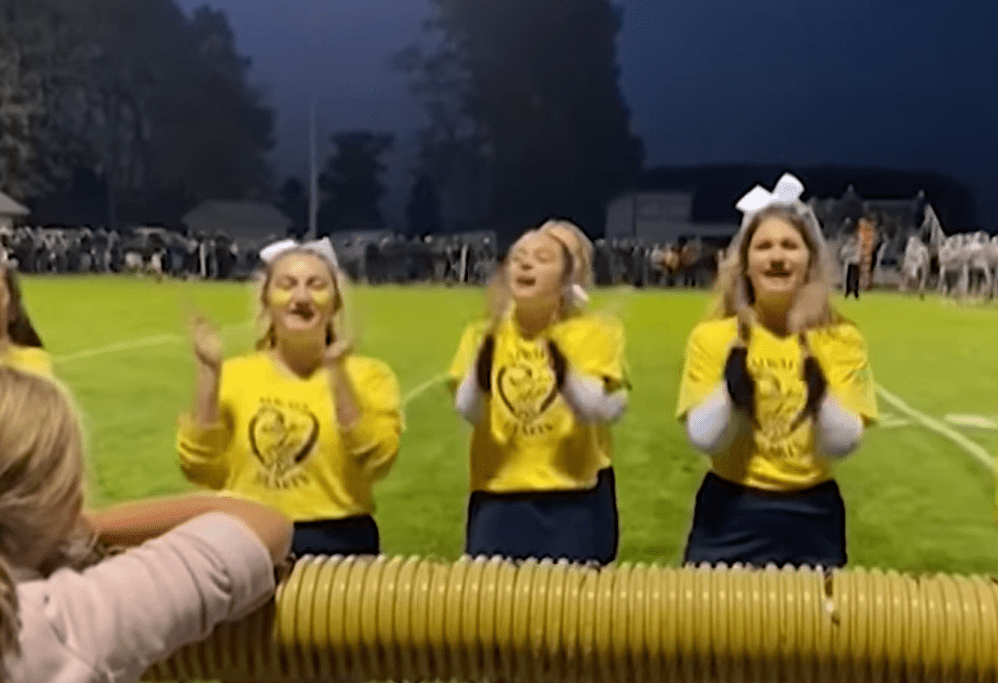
[
  {"x": 541, "y": 382},
  {"x": 302, "y": 424},
  {"x": 70, "y": 614},
  {"x": 776, "y": 389}
]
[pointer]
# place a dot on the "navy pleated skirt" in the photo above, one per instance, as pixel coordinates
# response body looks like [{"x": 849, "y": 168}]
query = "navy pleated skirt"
[
  {"x": 607, "y": 517},
  {"x": 733, "y": 523},
  {"x": 348, "y": 536},
  {"x": 570, "y": 525}
]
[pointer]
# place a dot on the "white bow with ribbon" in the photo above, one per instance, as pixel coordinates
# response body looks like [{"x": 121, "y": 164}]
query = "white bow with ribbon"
[
  {"x": 787, "y": 192},
  {"x": 323, "y": 248}
]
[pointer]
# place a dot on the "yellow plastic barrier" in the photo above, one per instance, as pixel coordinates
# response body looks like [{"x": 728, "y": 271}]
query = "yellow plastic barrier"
[{"x": 395, "y": 619}]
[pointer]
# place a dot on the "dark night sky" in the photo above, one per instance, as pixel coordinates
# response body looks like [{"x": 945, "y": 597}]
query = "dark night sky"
[{"x": 900, "y": 83}]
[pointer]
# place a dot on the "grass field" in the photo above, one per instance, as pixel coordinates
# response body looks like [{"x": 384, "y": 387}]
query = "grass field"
[{"x": 918, "y": 500}]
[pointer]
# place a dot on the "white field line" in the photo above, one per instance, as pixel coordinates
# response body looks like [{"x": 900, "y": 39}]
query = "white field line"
[
  {"x": 891, "y": 421},
  {"x": 141, "y": 342},
  {"x": 978, "y": 421},
  {"x": 126, "y": 345},
  {"x": 972, "y": 449},
  {"x": 159, "y": 339},
  {"x": 415, "y": 393}
]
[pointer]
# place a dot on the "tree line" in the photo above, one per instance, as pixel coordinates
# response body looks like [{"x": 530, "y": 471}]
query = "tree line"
[
  {"x": 524, "y": 119},
  {"x": 131, "y": 110},
  {"x": 129, "y": 97}
]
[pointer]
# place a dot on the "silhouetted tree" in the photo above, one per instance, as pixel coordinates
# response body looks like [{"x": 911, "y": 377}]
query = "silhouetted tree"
[
  {"x": 156, "y": 104},
  {"x": 422, "y": 211},
  {"x": 350, "y": 183},
  {"x": 218, "y": 130},
  {"x": 40, "y": 53},
  {"x": 536, "y": 87},
  {"x": 294, "y": 203}
]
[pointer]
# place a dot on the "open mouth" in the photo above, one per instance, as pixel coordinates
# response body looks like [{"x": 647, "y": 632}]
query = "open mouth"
[
  {"x": 304, "y": 313},
  {"x": 777, "y": 273},
  {"x": 526, "y": 280}
]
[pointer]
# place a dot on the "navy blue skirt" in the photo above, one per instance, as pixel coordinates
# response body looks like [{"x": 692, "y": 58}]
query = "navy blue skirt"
[
  {"x": 607, "y": 517},
  {"x": 733, "y": 523},
  {"x": 348, "y": 536},
  {"x": 540, "y": 524}
]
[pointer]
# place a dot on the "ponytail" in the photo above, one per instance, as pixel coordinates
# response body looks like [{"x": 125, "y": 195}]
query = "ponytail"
[
  {"x": 19, "y": 328},
  {"x": 10, "y": 622}
]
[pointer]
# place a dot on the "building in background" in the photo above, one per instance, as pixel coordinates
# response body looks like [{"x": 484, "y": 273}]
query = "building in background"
[
  {"x": 895, "y": 217},
  {"x": 11, "y": 212},
  {"x": 252, "y": 225},
  {"x": 660, "y": 217}
]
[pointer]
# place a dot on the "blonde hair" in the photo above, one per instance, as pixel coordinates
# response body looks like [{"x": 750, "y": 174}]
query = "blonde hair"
[
  {"x": 338, "y": 327},
  {"x": 41, "y": 489},
  {"x": 811, "y": 308},
  {"x": 578, "y": 272}
]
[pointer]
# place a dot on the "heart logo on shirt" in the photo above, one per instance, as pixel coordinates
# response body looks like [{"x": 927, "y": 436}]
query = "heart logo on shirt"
[
  {"x": 781, "y": 398},
  {"x": 526, "y": 390},
  {"x": 282, "y": 438}
]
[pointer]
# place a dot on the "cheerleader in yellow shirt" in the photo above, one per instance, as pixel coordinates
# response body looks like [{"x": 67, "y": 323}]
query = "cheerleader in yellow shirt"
[
  {"x": 20, "y": 345},
  {"x": 776, "y": 388},
  {"x": 541, "y": 382},
  {"x": 301, "y": 425}
]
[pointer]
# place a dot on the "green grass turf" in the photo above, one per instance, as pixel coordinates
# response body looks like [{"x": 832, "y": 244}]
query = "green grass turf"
[{"x": 916, "y": 501}]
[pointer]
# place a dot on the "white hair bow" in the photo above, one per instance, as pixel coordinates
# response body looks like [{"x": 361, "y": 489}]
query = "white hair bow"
[
  {"x": 323, "y": 248},
  {"x": 787, "y": 192}
]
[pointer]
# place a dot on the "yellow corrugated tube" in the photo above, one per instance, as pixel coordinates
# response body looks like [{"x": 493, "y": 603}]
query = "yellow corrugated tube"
[{"x": 396, "y": 619}]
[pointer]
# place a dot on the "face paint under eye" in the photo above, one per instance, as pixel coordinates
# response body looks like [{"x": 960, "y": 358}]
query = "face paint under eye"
[
  {"x": 321, "y": 297},
  {"x": 280, "y": 297}
]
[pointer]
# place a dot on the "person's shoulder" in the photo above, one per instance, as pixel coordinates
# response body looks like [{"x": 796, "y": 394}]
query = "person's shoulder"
[
  {"x": 474, "y": 332},
  {"x": 589, "y": 323},
  {"x": 30, "y": 358},
  {"x": 31, "y": 351},
  {"x": 841, "y": 337},
  {"x": 476, "y": 329},
  {"x": 366, "y": 367},
  {"x": 715, "y": 328},
  {"x": 42, "y": 639},
  {"x": 841, "y": 332},
  {"x": 165, "y": 593}
]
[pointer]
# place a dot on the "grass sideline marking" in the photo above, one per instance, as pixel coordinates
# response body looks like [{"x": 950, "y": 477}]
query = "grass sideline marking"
[
  {"x": 141, "y": 342},
  {"x": 930, "y": 423},
  {"x": 423, "y": 388},
  {"x": 978, "y": 421},
  {"x": 159, "y": 339},
  {"x": 892, "y": 421}
]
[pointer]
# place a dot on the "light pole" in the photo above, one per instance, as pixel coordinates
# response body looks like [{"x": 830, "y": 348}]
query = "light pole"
[
  {"x": 313, "y": 133},
  {"x": 313, "y": 194}
]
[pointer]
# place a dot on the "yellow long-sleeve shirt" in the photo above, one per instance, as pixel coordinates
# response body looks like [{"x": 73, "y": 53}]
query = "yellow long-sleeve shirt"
[
  {"x": 278, "y": 442},
  {"x": 781, "y": 455},
  {"x": 529, "y": 440}
]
